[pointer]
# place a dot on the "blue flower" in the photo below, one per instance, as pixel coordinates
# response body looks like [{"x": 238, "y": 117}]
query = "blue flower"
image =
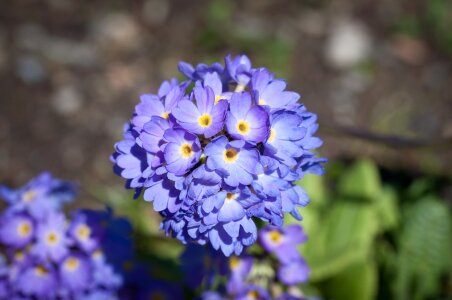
[
  {"x": 82, "y": 232},
  {"x": 153, "y": 105},
  {"x": 239, "y": 69},
  {"x": 271, "y": 92},
  {"x": 286, "y": 133},
  {"x": 38, "y": 280},
  {"x": 245, "y": 121},
  {"x": 283, "y": 241},
  {"x": 75, "y": 272},
  {"x": 294, "y": 273},
  {"x": 40, "y": 196},
  {"x": 53, "y": 258},
  {"x": 132, "y": 162},
  {"x": 236, "y": 160},
  {"x": 51, "y": 238},
  {"x": 182, "y": 151},
  {"x": 162, "y": 192},
  {"x": 219, "y": 89},
  {"x": 200, "y": 71},
  {"x": 252, "y": 292},
  {"x": 152, "y": 135},
  {"x": 240, "y": 268},
  {"x": 16, "y": 230},
  {"x": 237, "y": 130},
  {"x": 206, "y": 117}
]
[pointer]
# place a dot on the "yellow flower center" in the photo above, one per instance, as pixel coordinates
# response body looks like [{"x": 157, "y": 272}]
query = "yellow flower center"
[
  {"x": 261, "y": 102},
  {"x": 83, "y": 232},
  {"x": 271, "y": 138},
  {"x": 41, "y": 271},
  {"x": 240, "y": 88},
  {"x": 71, "y": 264},
  {"x": 28, "y": 196},
  {"x": 218, "y": 98},
  {"x": 24, "y": 229},
  {"x": 243, "y": 127},
  {"x": 205, "y": 120},
  {"x": 186, "y": 150},
  {"x": 19, "y": 256},
  {"x": 52, "y": 238},
  {"x": 165, "y": 115},
  {"x": 230, "y": 155},
  {"x": 254, "y": 295},
  {"x": 234, "y": 262},
  {"x": 230, "y": 196},
  {"x": 275, "y": 236}
]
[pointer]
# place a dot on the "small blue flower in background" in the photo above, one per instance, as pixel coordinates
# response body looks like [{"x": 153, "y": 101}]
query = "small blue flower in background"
[
  {"x": 259, "y": 275},
  {"x": 238, "y": 131},
  {"x": 40, "y": 196},
  {"x": 51, "y": 257}
]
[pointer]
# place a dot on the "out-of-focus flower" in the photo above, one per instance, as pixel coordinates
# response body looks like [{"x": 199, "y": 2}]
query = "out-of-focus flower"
[{"x": 50, "y": 257}]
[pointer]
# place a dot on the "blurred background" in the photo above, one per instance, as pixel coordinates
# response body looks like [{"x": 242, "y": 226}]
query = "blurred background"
[{"x": 377, "y": 73}]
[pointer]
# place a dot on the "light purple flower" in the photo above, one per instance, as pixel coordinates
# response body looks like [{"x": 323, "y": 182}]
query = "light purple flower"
[
  {"x": 239, "y": 69},
  {"x": 75, "y": 272},
  {"x": 295, "y": 272},
  {"x": 271, "y": 92},
  {"x": 245, "y": 121},
  {"x": 236, "y": 161},
  {"x": 205, "y": 117},
  {"x": 16, "y": 230},
  {"x": 283, "y": 241},
  {"x": 52, "y": 242},
  {"x": 39, "y": 280},
  {"x": 152, "y": 105},
  {"x": 182, "y": 151}
]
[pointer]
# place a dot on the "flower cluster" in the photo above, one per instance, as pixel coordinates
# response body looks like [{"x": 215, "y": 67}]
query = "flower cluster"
[
  {"x": 216, "y": 150},
  {"x": 283, "y": 242},
  {"x": 48, "y": 256},
  {"x": 252, "y": 275}
]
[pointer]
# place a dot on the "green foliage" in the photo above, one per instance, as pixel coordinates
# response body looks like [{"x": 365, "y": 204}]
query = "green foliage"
[
  {"x": 361, "y": 181},
  {"x": 409, "y": 25},
  {"x": 424, "y": 249},
  {"x": 359, "y": 281},
  {"x": 358, "y": 235},
  {"x": 439, "y": 19}
]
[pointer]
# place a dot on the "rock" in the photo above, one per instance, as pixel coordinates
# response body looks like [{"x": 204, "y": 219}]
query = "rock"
[
  {"x": 409, "y": 49},
  {"x": 3, "y": 52},
  {"x": 348, "y": 44},
  {"x": 67, "y": 100},
  {"x": 116, "y": 32},
  {"x": 70, "y": 52},
  {"x": 311, "y": 22},
  {"x": 155, "y": 12},
  {"x": 31, "y": 37},
  {"x": 30, "y": 70}
]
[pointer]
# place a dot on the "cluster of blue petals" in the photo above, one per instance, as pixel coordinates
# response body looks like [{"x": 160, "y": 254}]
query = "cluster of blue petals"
[
  {"x": 243, "y": 278},
  {"x": 282, "y": 242},
  {"x": 48, "y": 256},
  {"x": 219, "y": 149}
]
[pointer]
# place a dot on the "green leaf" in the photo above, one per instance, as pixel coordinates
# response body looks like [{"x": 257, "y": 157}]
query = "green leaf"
[
  {"x": 425, "y": 247},
  {"x": 387, "y": 209},
  {"x": 357, "y": 282},
  {"x": 342, "y": 236},
  {"x": 361, "y": 181}
]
